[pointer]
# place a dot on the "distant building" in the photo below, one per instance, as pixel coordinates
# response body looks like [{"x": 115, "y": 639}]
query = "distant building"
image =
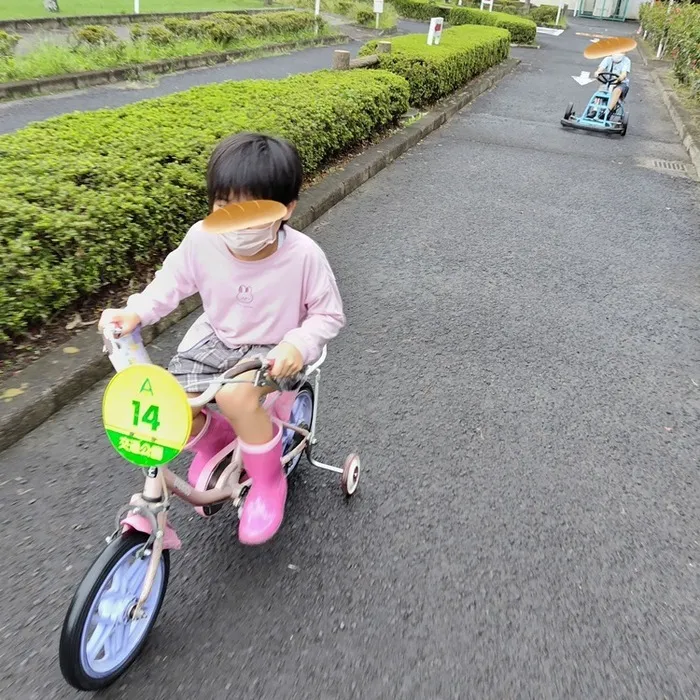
[{"x": 602, "y": 9}]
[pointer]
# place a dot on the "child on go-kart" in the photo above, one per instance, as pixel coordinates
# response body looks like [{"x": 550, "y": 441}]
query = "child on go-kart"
[
  {"x": 266, "y": 292},
  {"x": 620, "y": 65}
]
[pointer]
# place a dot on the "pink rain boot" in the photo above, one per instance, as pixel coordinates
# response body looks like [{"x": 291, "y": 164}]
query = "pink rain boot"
[
  {"x": 216, "y": 434},
  {"x": 263, "y": 509}
]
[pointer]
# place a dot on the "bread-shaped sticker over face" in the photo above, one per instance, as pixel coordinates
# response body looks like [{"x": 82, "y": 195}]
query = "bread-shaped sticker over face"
[
  {"x": 238, "y": 217},
  {"x": 608, "y": 47}
]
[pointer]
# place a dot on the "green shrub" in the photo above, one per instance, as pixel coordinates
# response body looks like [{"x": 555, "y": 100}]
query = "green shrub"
[
  {"x": 8, "y": 42},
  {"x": 436, "y": 71},
  {"x": 544, "y": 14},
  {"x": 225, "y": 28},
  {"x": 95, "y": 35},
  {"x": 522, "y": 30},
  {"x": 364, "y": 15},
  {"x": 160, "y": 36},
  {"x": 420, "y": 9},
  {"x": 137, "y": 32},
  {"x": 680, "y": 31},
  {"x": 88, "y": 198},
  {"x": 179, "y": 27}
]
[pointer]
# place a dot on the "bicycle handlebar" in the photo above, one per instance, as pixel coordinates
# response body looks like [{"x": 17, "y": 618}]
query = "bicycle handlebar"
[{"x": 137, "y": 352}]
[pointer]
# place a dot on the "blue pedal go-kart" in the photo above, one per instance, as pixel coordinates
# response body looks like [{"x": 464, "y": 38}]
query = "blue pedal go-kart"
[{"x": 596, "y": 116}]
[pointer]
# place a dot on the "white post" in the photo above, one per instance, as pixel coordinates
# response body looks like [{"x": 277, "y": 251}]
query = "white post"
[
  {"x": 660, "y": 50},
  {"x": 378, "y": 9},
  {"x": 317, "y": 9},
  {"x": 137, "y": 7},
  {"x": 559, "y": 8}
]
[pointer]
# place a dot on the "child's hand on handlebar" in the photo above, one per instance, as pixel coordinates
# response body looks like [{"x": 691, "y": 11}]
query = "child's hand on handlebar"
[
  {"x": 286, "y": 361},
  {"x": 125, "y": 321}
]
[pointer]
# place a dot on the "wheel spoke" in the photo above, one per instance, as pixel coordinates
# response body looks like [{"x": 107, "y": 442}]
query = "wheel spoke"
[
  {"x": 136, "y": 574},
  {"x": 118, "y": 579},
  {"x": 110, "y": 598},
  {"x": 118, "y": 639},
  {"x": 98, "y": 640}
]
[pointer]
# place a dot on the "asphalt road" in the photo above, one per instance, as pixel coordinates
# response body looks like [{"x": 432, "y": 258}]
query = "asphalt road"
[{"x": 520, "y": 374}]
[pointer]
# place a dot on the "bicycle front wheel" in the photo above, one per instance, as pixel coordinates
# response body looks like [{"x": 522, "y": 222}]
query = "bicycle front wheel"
[{"x": 100, "y": 640}]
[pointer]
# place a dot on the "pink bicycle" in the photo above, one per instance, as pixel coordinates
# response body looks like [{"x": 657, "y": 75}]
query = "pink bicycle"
[{"x": 117, "y": 603}]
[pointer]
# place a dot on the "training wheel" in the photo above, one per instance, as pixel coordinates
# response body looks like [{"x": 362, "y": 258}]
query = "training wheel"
[{"x": 351, "y": 474}]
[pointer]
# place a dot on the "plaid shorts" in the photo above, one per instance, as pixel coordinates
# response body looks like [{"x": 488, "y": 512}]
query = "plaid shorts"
[{"x": 197, "y": 366}]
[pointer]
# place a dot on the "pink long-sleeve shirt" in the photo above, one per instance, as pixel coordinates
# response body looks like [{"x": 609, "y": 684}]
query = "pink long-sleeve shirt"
[{"x": 289, "y": 296}]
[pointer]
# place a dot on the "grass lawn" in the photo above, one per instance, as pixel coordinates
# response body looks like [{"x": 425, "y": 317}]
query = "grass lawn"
[
  {"x": 24, "y": 9},
  {"x": 49, "y": 59}
]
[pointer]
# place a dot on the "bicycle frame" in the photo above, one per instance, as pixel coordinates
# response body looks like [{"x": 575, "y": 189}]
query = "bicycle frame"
[{"x": 147, "y": 511}]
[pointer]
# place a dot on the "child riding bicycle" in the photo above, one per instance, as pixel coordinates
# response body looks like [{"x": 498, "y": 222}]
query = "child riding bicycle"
[{"x": 266, "y": 292}]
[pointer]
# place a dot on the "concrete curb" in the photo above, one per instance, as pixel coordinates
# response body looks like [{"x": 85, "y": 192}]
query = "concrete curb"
[
  {"x": 689, "y": 133},
  {"x": 78, "y": 81},
  {"x": 682, "y": 120},
  {"x": 39, "y": 23},
  {"x": 43, "y": 388}
]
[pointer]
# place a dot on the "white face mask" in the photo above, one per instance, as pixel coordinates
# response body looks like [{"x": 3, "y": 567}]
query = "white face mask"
[
  {"x": 249, "y": 242},
  {"x": 617, "y": 57}
]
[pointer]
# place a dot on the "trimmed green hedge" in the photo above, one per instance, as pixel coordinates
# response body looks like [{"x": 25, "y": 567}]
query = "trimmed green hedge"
[
  {"x": 522, "y": 30},
  {"x": 680, "y": 31},
  {"x": 226, "y": 28},
  {"x": 436, "y": 71},
  {"x": 420, "y": 9},
  {"x": 90, "y": 198},
  {"x": 544, "y": 15}
]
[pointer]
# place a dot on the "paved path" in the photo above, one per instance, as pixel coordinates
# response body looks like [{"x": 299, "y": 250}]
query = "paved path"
[
  {"x": 17, "y": 114},
  {"x": 520, "y": 373}
]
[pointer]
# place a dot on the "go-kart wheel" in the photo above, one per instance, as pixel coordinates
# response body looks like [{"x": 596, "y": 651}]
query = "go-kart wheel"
[
  {"x": 99, "y": 640},
  {"x": 569, "y": 111},
  {"x": 351, "y": 474},
  {"x": 623, "y": 121}
]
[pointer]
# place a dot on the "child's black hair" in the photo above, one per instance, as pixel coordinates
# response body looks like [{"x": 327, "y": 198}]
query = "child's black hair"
[{"x": 256, "y": 166}]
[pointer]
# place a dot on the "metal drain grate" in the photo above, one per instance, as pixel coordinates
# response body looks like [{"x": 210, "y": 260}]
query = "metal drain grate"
[
  {"x": 674, "y": 168},
  {"x": 672, "y": 165}
]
